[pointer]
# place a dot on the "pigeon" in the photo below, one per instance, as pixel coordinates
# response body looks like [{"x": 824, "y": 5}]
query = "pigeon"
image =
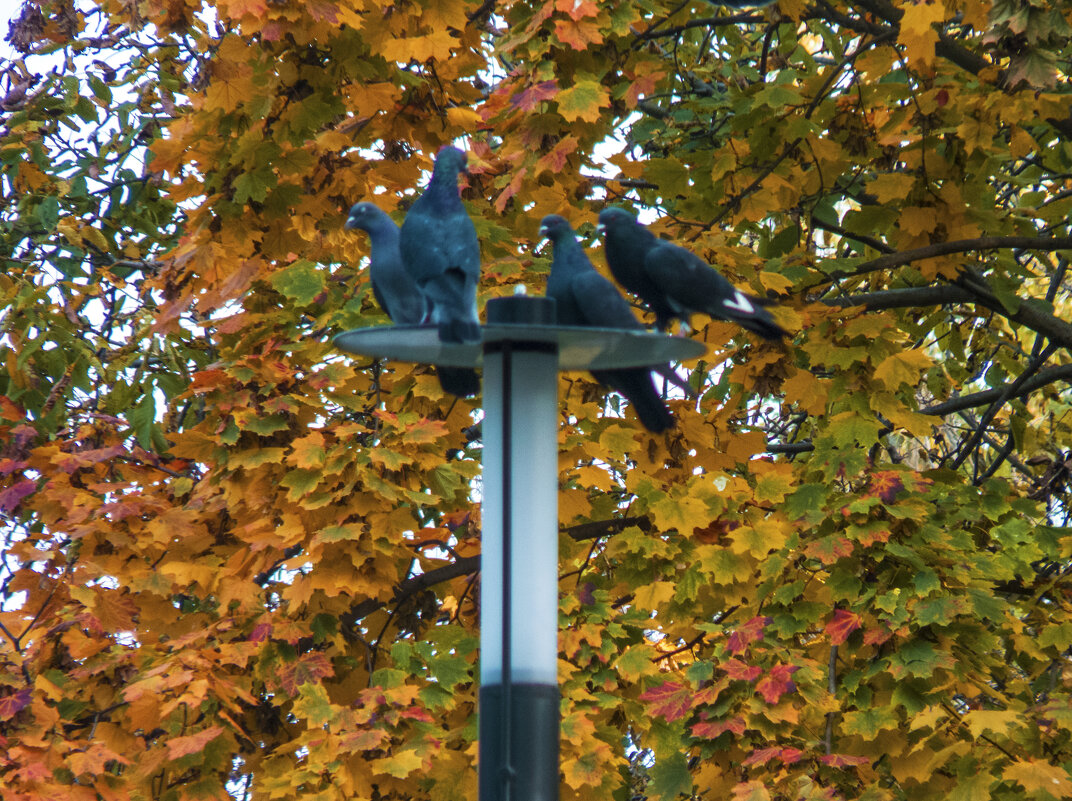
[
  {"x": 673, "y": 281},
  {"x": 397, "y": 293},
  {"x": 441, "y": 253},
  {"x": 584, "y": 297}
]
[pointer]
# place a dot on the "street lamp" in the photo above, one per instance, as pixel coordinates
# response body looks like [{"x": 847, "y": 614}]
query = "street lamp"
[{"x": 521, "y": 352}]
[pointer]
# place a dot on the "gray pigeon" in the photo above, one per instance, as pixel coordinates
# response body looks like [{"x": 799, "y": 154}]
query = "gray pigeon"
[
  {"x": 584, "y": 297},
  {"x": 441, "y": 253},
  {"x": 675, "y": 282},
  {"x": 397, "y": 293}
]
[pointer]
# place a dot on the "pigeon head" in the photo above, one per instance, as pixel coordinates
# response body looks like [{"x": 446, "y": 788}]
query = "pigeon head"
[
  {"x": 363, "y": 215},
  {"x": 368, "y": 217},
  {"x": 614, "y": 217},
  {"x": 450, "y": 161},
  {"x": 554, "y": 226}
]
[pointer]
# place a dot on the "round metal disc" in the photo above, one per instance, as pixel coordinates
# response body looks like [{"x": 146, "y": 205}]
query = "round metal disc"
[{"x": 579, "y": 348}]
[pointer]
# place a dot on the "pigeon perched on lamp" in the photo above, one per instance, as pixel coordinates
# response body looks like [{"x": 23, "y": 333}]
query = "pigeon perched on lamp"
[
  {"x": 673, "y": 281},
  {"x": 441, "y": 253},
  {"x": 397, "y": 292},
  {"x": 585, "y": 298}
]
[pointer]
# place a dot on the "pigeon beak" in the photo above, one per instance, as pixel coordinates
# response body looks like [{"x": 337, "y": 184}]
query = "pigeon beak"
[
  {"x": 601, "y": 228},
  {"x": 350, "y": 224}
]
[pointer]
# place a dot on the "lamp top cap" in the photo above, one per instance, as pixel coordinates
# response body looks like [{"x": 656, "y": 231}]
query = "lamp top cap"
[{"x": 521, "y": 309}]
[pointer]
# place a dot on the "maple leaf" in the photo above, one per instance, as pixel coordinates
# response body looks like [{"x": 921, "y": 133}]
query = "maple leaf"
[
  {"x": 530, "y": 97},
  {"x": 1036, "y": 774},
  {"x": 577, "y": 9},
  {"x": 578, "y": 34},
  {"x": 917, "y": 32},
  {"x": 669, "y": 700},
  {"x": 11, "y": 497},
  {"x": 842, "y": 625},
  {"x": 742, "y": 636},
  {"x": 843, "y": 760},
  {"x": 309, "y": 667},
  {"x": 11, "y": 705},
  {"x": 776, "y": 683},
  {"x": 583, "y": 101},
  {"x": 750, "y": 791},
  {"x": 712, "y": 729},
  {"x": 902, "y": 368},
  {"x": 178, "y": 747},
  {"x": 829, "y": 549},
  {"x": 739, "y": 671}
]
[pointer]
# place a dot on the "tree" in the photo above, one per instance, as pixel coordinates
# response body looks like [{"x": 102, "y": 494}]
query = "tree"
[{"x": 240, "y": 564}]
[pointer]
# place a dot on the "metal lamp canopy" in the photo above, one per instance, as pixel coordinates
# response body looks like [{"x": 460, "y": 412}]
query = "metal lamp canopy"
[{"x": 579, "y": 348}]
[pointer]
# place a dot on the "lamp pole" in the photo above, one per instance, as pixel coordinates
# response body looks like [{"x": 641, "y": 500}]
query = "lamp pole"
[
  {"x": 519, "y": 557},
  {"x": 521, "y": 353}
]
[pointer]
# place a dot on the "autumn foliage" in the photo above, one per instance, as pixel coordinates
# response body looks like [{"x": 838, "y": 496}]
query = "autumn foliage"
[{"x": 238, "y": 563}]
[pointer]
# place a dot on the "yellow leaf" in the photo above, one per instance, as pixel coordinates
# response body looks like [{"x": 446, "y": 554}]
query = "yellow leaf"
[
  {"x": 917, "y": 34},
  {"x": 806, "y": 391},
  {"x": 583, "y": 101},
  {"x": 891, "y": 186},
  {"x": 69, "y": 231},
  {"x": 464, "y": 118},
  {"x": 1036, "y": 774},
  {"x": 906, "y": 367},
  {"x": 654, "y": 595},
  {"x": 916, "y": 220},
  {"x": 980, "y": 721}
]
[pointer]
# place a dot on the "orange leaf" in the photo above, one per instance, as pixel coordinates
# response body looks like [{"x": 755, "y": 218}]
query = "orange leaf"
[
  {"x": 578, "y": 34},
  {"x": 577, "y": 9},
  {"x": 194, "y": 743}
]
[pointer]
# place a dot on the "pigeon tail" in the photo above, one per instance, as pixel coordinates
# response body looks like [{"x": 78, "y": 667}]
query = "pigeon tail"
[
  {"x": 652, "y": 413},
  {"x": 636, "y": 386},
  {"x": 768, "y": 329},
  {"x": 459, "y": 330},
  {"x": 460, "y": 381}
]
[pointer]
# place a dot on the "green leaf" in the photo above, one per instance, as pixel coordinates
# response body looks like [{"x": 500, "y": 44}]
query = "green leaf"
[
  {"x": 302, "y": 282},
  {"x": 670, "y": 777}
]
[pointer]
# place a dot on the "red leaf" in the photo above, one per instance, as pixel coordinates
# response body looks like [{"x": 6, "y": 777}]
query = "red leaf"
[
  {"x": 876, "y": 636},
  {"x": 417, "y": 713},
  {"x": 843, "y": 760},
  {"x": 738, "y": 670},
  {"x": 829, "y": 549},
  {"x": 712, "y": 729},
  {"x": 310, "y": 668},
  {"x": 261, "y": 632},
  {"x": 751, "y": 631},
  {"x": 530, "y": 98},
  {"x": 776, "y": 683},
  {"x": 760, "y": 756},
  {"x": 11, "y": 705},
  {"x": 9, "y": 466},
  {"x": 843, "y": 624},
  {"x": 13, "y": 495},
  {"x": 885, "y": 484},
  {"x": 669, "y": 700}
]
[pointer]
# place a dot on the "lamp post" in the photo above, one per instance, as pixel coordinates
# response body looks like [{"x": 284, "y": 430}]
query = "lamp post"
[{"x": 521, "y": 353}]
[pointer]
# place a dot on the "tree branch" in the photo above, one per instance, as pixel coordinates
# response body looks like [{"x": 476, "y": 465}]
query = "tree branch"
[{"x": 988, "y": 396}]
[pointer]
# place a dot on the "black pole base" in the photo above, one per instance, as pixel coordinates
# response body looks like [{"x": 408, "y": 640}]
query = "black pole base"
[{"x": 533, "y": 715}]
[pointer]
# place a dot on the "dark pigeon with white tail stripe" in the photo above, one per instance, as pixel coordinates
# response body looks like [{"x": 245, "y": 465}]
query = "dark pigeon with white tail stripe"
[{"x": 674, "y": 282}]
